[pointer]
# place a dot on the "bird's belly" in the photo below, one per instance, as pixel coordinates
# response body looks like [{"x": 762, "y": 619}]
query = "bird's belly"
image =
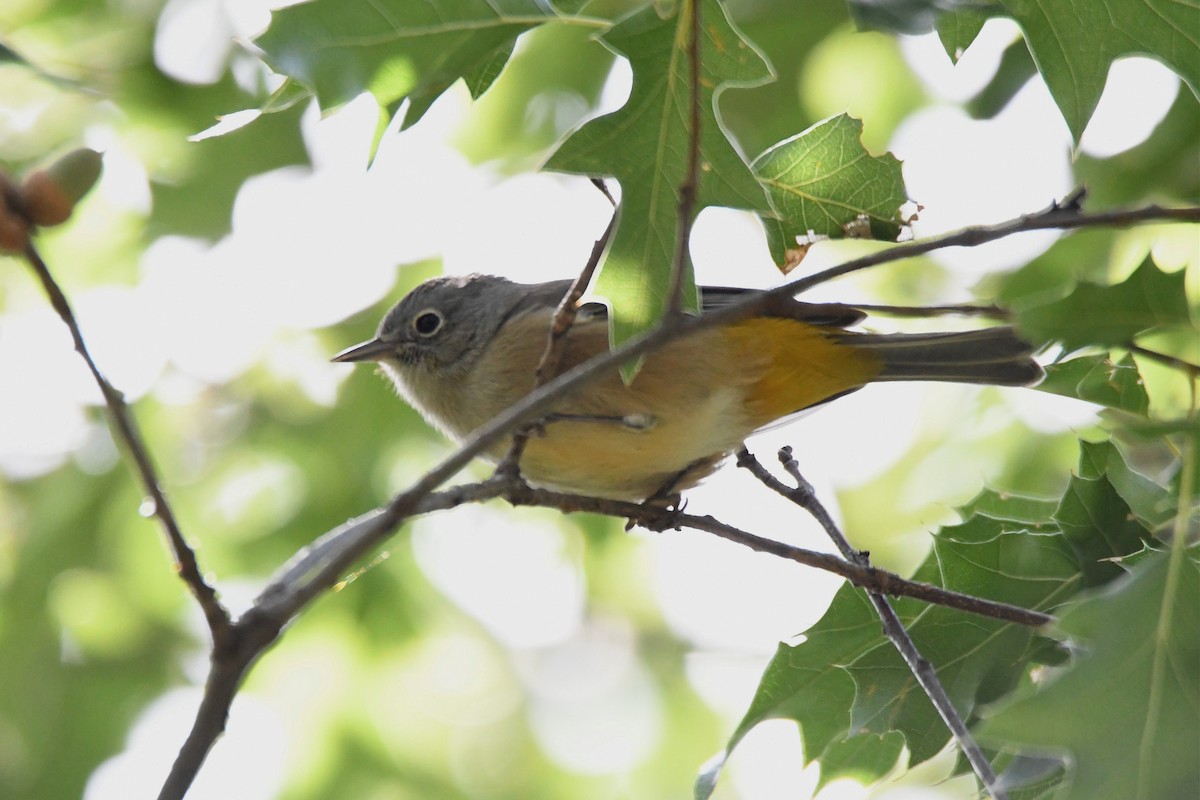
[{"x": 607, "y": 458}]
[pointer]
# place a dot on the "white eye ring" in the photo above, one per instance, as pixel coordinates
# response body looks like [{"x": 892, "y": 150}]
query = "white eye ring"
[{"x": 427, "y": 322}]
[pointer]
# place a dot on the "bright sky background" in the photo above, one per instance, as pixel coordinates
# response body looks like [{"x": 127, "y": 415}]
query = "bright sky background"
[{"x": 594, "y": 707}]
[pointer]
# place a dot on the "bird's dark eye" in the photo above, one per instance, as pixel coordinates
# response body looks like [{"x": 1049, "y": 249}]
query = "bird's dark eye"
[{"x": 427, "y": 322}]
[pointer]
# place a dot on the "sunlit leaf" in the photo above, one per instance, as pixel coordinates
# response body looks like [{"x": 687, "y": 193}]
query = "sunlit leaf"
[
  {"x": 823, "y": 180},
  {"x": 644, "y": 145}
]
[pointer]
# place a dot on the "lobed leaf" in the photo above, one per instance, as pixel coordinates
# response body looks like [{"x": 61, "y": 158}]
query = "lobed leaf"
[
  {"x": 644, "y": 145},
  {"x": 395, "y": 49},
  {"x": 1110, "y": 315},
  {"x": 1098, "y": 379}
]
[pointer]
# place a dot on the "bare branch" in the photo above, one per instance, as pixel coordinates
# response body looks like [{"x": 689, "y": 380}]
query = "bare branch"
[
  {"x": 964, "y": 310},
  {"x": 127, "y": 432},
  {"x": 1165, "y": 358}
]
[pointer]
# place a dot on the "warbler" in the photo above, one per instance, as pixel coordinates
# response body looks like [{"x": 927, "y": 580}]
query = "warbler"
[{"x": 462, "y": 349}]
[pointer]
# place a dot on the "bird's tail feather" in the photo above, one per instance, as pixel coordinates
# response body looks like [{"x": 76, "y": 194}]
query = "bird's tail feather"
[{"x": 991, "y": 356}]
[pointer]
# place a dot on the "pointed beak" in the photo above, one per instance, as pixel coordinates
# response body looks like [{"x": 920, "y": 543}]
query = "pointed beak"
[{"x": 373, "y": 350}]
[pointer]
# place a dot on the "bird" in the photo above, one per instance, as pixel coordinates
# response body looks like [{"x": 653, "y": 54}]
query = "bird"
[{"x": 462, "y": 349}]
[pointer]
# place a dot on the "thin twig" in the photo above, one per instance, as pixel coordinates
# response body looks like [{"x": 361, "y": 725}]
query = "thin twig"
[
  {"x": 1164, "y": 358},
  {"x": 556, "y": 339},
  {"x": 690, "y": 186},
  {"x": 308, "y": 562},
  {"x": 893, "y": 627},
  {"x": 127, "y": 432},
  {"x": 964, "y": 309}
]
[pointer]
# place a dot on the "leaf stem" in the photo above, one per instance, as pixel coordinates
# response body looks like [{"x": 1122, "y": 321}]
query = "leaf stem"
[{"x": 690, "y": 187}]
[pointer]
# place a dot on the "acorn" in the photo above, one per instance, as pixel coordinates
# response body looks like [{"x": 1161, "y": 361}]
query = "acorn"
[
  {"x": 14, "y": 230},
  {"x": 51, "y": 194}
]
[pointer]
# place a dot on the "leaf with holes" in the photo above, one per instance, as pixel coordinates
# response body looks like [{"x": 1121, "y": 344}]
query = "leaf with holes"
[{"x": 824, "y": 180}]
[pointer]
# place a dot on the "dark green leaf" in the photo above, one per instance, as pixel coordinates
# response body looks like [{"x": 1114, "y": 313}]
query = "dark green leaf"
[
  {"x": 644, "y": 145},
  {"x": 898, "y": 16},
  {"x": 480, "y": 79},
  {"x": 1138, "y": 649},
  {"x": 864, "y": 758},
  {"x": 1015, "y": 69},
  {"x": 958, "y": 29},
  {"x": 977, "y": 658},
  {"x": 1075, "y": 41},
  {"x": 1151, "y": 503},
  {"x": 1095, "y": 519},
  {"x": 1110, "y": 315},
  {"x": 823, "y": 179}
]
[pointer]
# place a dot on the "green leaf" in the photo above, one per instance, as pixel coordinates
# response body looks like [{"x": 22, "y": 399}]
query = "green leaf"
[
  {"x": 1074, "y": 42},
  {"x": 1033, "y": 511},
  {"x": 1110, "y": 316},
  {"x": 1098, "y": 380},
  {"x": 1015, "y": 69},
  {"x": 1140, "y": 653},
  {"x": 395, "y": 49},
  {"x": 480, "y": 79},
  {"x": 1152, "y": 504},
  {"x": 864, "y": 758},
  {"x": 957, "y": 30},
  {"x": 1095, "y": 519},
  {"x": 824, "y": 179},
  {"x": 644, "y": 145}
]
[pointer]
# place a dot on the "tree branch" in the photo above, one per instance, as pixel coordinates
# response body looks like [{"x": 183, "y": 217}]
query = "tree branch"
[{"x": 126, "y": 430}]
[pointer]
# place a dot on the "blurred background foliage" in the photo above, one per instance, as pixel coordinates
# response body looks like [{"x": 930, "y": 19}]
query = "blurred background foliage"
[{"x": 489, "y": 652}]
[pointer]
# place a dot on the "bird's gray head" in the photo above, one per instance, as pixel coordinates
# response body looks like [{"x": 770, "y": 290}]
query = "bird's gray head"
[{"x": 443, "y": 324}]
